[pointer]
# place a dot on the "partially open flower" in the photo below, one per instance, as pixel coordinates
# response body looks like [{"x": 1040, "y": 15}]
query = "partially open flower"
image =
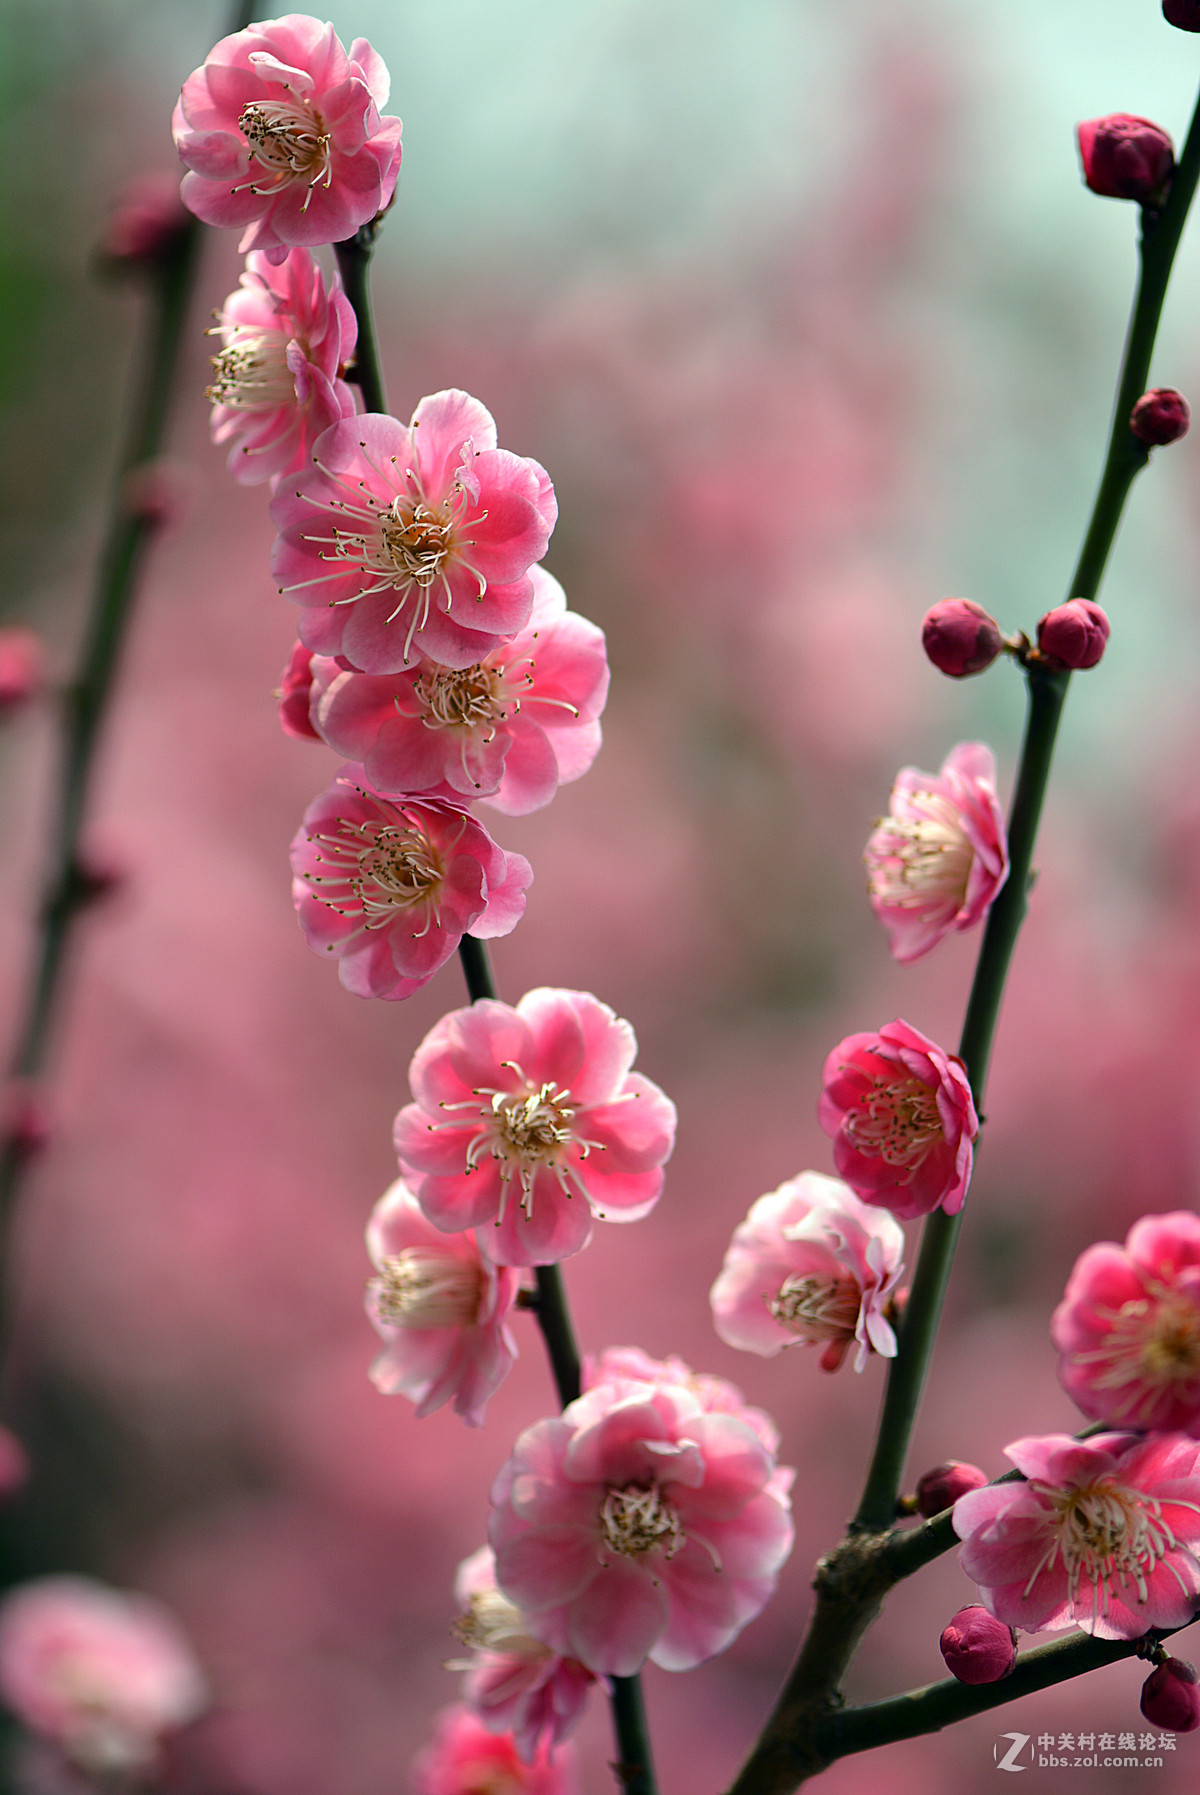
[
  {"x": 977, "y": 1647},
  {"x": 1125, "y": 157},
  {"x": 1170, "y": 1696}
]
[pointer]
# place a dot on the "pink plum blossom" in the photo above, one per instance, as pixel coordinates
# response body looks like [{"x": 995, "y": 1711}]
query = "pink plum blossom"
[
  {"x": 1102, "y": 1536},
  {"x": 900, "y": 1112},
  {"x": 514, "y": 1683},
  {"x": 716, "y": 1395},
  {"x": 540, "y": 1098},
  {"x": 466, "y": 1758},
  {"x": 391, "y": 889},
  {"x": 275, "y": 385},
  {"x": 281, "y": 132},
  {"x": 508, "y": 729},
  {"x": 402, "y": 544},
  {"x": 1128, "y": 1327},
  {"x": 937, "y": 860},
  {"x": 294, "y": 695},
  {"x": 639, "y": 1524},
  {"x": 101, "y": 1673},
  {"x": 442, "y": 1309},
  {"x": 811, "y": 1263}
]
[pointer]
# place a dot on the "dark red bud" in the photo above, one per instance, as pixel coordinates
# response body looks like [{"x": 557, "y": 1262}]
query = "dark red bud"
[
  {"x": 295, "y": 691},
  {"x": 27, "y": 1127},
  {"x": 960, "y": 637},
  {"x": 1184, "y": 14},
  {"x": 977, "y": 1647},
  {"x": 941, "y": 1487},
  {"x": 1170, "y": 1697},
  {"x": 1073, "y": 635},
  {"x": 1160, "y": 416},
  {"x": 1125, "y": 157}
]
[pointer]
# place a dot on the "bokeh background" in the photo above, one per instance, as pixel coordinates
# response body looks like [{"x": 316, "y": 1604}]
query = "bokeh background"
[{"x": 805, "y": 309}]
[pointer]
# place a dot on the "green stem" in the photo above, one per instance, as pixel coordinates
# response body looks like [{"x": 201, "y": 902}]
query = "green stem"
[
  {"x": 354, "y": 264},
  {"x": 553, "y": 1317},
  {"x": 633, "y": 1768}
]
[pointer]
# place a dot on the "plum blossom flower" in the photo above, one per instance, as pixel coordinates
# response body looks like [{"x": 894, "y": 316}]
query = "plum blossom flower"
[
  {"x": 514, "y": 1683},
  {"x": 508, "y": 729},
  {"x": 900, "y": 1112},
  {"x": 281, "y": 131},
  {"x": 528, "y": 1121},
  {"x": 295, "y": 693},
  {"x": 101, "y": 1673},
  {"x": 275, "y": 385},
  {"x": 442, "y": 1309},
  {"x": 640, "y": 1524},
  {"x": 811, "y": 1263},
  {"x": 465, "y": 1758},
  {"x": 937, "y": 860},
  {"x": 408, "y": 543},
  {"x": 1102, "y": 1536},
  {"x": 716, "y": 1395},
  {"x": 391, "y": 889},
  {"x": 1128, "y": 1327}
]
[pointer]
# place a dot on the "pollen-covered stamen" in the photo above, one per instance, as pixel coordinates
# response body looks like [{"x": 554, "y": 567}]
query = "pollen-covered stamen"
[
  {"x": 288, "y": 139},
  {"x": 417, "y": 540},
  {"x": 817, "y": 1308},
  {"x": 418, "y": 1289},
  {"x": 464, "y": 698},
  {"x": 251, "y": 372},
  {"x": 913, "y": 860},
  {"x": 639, "y": 1519},
  {"x": 378, "y": 868},
  {"x": 1154, "y": 1341},
  {"x": 1106, "y": 1535},
  {"x": 897, "y": 1121}
]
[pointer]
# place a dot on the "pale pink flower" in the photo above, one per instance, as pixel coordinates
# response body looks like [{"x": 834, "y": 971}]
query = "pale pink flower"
[
  {"x": 1102, "y": 1536},
  {"x": 528, "y": 1122},
  {"x": 1128, "y": 1327},
  {"x": 442, "y": 1309},
  {"x": 811, "y": 1263},
  {"x": 514, "y": 1683},
  {"x": 409, "y": 543},
  {"x": 508, "y": 729},
  {"x": 639, "y": 1524},
  {"x": 466, "y": 1759},
  {"x": 937, "y": 860},
  {"x": 281, "y": 131},
  {"x": 391, "y": 889},
  {"x": 102, "y": 1673},
  {"x": 275, "y": 385},
  {"x": 900, "y": 1112},
  {"x": 716, "y": 1395}
]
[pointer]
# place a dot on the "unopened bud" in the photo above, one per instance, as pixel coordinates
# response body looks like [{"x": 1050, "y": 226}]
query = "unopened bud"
[
  {"x": 960, "y": 637},
  {"x": 977, "y": 1647},
  {"x": 294, "y": 694},
  {"x": 1160, "y": 416},
  {"x": 1185, "y": 14},
  {"x": 20, "y": 667},
  {"x": 1073, "y": 635},
  {"x": 1170, "y": 1697},
  {"x": 27, "y": 1126},
  {"x": 145, "y": 224},
  {"x": 941, "y": 1487},
  {"x": 1125, "y": 157},
  {"x": 159, "y": 492}
]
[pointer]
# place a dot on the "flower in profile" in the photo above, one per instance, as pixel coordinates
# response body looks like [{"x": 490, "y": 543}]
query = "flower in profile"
[
  {"x": 811, "y": 1263},
  {"x": 514, "y": 1683},
  {"x": 640, "y": 1524},
  {"x": 281, "y": 132},
  {"x": 275, "y": 385},
  {"x": 508, "y": 729},
  {"x": 465, "y": 1758},
  {"x": 1128, "y": 1327},
  {"x": 1103, "y": 1535},
  {"x": 902, "y": 1120},
  {"x": 101, "y": 1673},
  {"x": 442, "y": 1309},
  {"x": 402, "y": 544},
  {"x": 295, "y": 694},
  {"x": 391, "y": 889},
  {"x": 936, "y": 861},
  {"x": 528, "y": 1122}
]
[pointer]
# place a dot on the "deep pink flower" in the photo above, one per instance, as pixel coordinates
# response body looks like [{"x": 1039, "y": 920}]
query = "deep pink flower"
[
  {"x": 936, "y": 861},
  {"x": 294, "y": 694},
  {"x": 102, "y": 1673},
  {"x": 900, "y": 1112},
  {"x": 639, "y": 1524},
  {"x": 281, "y": 131},
  {"x": 1128, "y": 1327},
  {"x": 410, "y": 543},
  {"x": 528, "y": 1122},
  {"x": 810, "y": 1263},
  {"x": 1102, "y": 1536},
  {"x": 442, "y": 1309},
  {"x": 466, "y": 1759},
  {"x": 391, "y": 889},
  {"x": 508, "y": 729},
  {"x": 514, "y": 1683},
  {"x": 275, "y": 384}
]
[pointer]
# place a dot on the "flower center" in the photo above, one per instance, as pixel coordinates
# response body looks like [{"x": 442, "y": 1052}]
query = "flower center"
[
  {"x": 427, "y": 1290},
  {"x": 416, "y": 539},
  {"x": 1105, "y": 1534},
  {"x": 251, "y": 372},
  {"x": 897, "y": 1121},
  {"x": 915, "y": 861},
  {"x": 817, "y": 1308},
  {"x": 639, "y": 1519},
  {"x": 1155, "y": 1342},
  {"x": 466, "y": 698},
  {"x": 378, "y": 868},
  {"x": 289, "y": 140}
]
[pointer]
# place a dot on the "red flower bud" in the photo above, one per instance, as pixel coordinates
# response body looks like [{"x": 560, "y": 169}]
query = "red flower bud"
[
  {"x": 295, "y": 689},
  {"x": 977, "y": 1647},
  {"x": 20, "y": 667},
  {"x": 1125, "y": 157},
  {"x": 146, "y": 222},
  {"x": 1185, "y": 14},
  {"x": 1170, "y": 1697},
  {"x": 941, "y": 1487},
  {"x": 1074, "y": 634},
  {"x": 960, "y": 637},
  {"x": 1160, "y": 416}
]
